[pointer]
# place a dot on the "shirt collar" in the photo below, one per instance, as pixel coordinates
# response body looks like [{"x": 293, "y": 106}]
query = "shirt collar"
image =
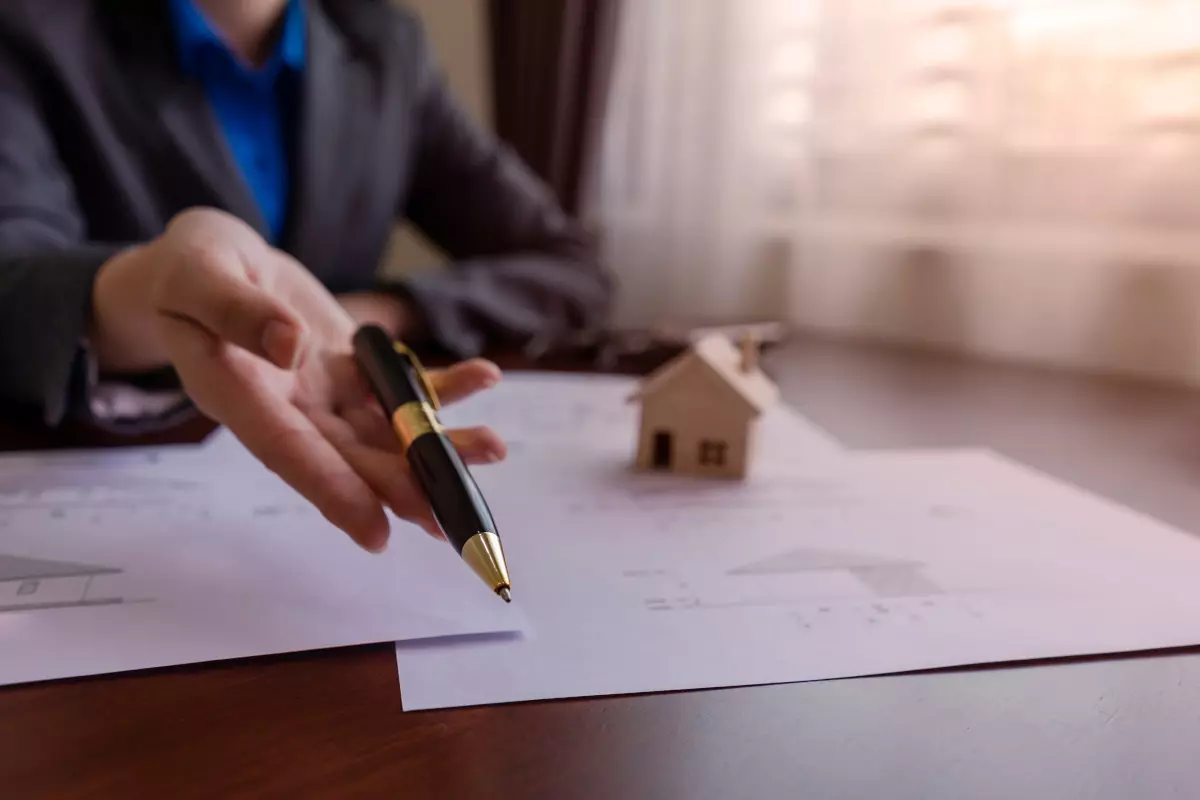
[{"x": 194, "y": 34}]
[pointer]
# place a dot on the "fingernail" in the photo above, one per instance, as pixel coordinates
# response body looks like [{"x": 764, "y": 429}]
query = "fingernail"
[
  {"x": 376, "y": 547},
  {"x": 281, "y": 342}
]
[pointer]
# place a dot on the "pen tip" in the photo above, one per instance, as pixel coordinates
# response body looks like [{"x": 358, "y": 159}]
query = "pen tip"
[{"x": 506, "y": 593}]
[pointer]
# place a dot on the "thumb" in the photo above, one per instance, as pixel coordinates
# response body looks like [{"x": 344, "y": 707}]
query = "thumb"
[{"x": 232, "y": 308}]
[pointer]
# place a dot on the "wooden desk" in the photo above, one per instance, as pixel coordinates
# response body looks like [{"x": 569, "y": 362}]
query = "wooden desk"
[{"x": 329, "y": 724}]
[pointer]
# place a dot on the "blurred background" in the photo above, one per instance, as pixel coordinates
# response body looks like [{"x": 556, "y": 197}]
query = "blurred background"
[{"x": 1013, "y": 179}]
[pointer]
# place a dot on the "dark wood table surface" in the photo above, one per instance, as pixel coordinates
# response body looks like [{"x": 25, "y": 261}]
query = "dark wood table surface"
[{"x": 330, "y": 724}]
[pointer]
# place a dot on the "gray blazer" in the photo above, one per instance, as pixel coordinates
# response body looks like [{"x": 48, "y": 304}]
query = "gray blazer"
[{"x": 103, "y": 140}]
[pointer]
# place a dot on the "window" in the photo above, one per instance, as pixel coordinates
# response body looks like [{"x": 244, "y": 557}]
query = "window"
[
  {"x": 861, "y": 124},
  {"x": 712, "y": 453}
]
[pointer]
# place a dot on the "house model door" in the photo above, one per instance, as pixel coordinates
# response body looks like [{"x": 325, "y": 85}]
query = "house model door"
[{"x": 662, "y": 450}]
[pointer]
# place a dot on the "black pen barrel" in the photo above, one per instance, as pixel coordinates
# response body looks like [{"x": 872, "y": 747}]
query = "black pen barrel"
[
  {"x": 456, "y": 501},
  {"x": 377, "y": 357},
  {"x": 402, "y": 388}
]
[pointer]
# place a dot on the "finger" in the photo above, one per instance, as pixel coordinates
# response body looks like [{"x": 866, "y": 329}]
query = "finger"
[
  {"x": 305, "y": 460},
  {"x": 475, "y": 446},
  {"x": 451, "y": 384},
  {"x": 382, "y": 471},
  {"x": 386, "y": 472},
  {"x": 276, "y": 433},
  {"x": 348, "y": 384},
  {"x": 204, "y": 288},
  {"x": 464, "y": 379},
  {"x": 478, "y": 445}
]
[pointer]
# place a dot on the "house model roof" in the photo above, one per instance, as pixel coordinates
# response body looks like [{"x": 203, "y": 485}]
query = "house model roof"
[{"x": 722, "y": 356}]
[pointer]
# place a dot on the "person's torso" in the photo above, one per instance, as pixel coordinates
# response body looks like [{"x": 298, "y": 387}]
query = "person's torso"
[{"x": 141, "y": 141}]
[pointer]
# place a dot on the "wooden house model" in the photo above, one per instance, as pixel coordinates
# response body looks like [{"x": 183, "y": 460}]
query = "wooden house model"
[{"x": 700, "y": 412}]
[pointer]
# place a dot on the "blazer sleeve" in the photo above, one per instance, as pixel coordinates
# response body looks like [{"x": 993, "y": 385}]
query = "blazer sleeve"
[
  {"x": 47, "y": 270},
  {"x": 522, "y": 271}
]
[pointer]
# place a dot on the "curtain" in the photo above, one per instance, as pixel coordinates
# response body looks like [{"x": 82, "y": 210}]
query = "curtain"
[
  {"x": 769, "y": 158},
  {"x": 550, "y": 62},
  {"x": 679, "y": 159}
]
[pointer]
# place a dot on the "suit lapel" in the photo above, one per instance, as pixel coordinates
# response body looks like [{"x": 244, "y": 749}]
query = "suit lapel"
[
  {"x": 335, "y": 112},
  {"x": 335, "y": 129},
  {"x": 196, "y": 134},
  {"x": 190, "y": 130}
]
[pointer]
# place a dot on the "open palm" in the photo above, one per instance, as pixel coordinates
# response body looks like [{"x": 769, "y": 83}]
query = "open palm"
[{"x": 273, "y": 362}]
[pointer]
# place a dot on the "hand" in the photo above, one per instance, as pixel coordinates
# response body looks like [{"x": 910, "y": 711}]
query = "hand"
[{"x": 264, "y": 349}]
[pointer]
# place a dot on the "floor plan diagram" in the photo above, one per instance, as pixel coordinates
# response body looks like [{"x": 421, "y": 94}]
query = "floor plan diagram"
[
  {"x": 883, "y": 577},
  {"x": 797, "y": 577},
  {"x": 27, "y": 584}
]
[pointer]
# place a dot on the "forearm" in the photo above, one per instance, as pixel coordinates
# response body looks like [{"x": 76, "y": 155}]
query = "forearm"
[
  {"x": 523, "y": 271},
  {"x": 510, "y": 301},
  {"x": 45, "y": 299}
]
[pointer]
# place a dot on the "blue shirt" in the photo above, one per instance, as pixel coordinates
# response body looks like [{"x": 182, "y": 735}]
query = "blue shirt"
[{"x": 254, "y": 107}]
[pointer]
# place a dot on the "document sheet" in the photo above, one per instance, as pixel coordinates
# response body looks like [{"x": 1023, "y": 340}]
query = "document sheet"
[
  {"x": 128, "y": 559},
  {"x": 813, "y": 569}
]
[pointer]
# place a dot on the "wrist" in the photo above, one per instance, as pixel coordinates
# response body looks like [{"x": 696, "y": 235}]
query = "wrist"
[{"x": 122, "y": 331}]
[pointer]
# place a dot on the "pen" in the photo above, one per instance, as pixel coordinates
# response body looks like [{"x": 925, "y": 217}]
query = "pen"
[{"x": 403, "y": 389}]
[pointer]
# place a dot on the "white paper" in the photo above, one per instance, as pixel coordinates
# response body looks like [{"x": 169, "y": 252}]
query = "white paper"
[
  {"x": 122, "y": 560},
  {"x": 838, "y": 568}
]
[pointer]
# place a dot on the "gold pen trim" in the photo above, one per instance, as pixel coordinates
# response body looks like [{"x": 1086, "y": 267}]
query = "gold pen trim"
[
  {"x": 415, "y": 419},
  {"x": 426, "y": 384},
  {"x": 485, "y": 557}
]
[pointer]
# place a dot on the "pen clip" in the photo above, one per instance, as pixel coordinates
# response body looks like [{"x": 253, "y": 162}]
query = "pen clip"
[{"x": 426, "y": 385}]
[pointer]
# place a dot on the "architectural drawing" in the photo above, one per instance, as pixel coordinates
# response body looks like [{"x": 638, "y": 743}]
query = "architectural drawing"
[
  {"x": 883, "y": 577},
  {"x": 857, "y": 582},
  {"x": 28, "y": 584}
]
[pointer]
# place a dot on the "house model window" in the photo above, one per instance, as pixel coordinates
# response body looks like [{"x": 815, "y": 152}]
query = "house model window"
[{"x": 712, "y": 453}]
